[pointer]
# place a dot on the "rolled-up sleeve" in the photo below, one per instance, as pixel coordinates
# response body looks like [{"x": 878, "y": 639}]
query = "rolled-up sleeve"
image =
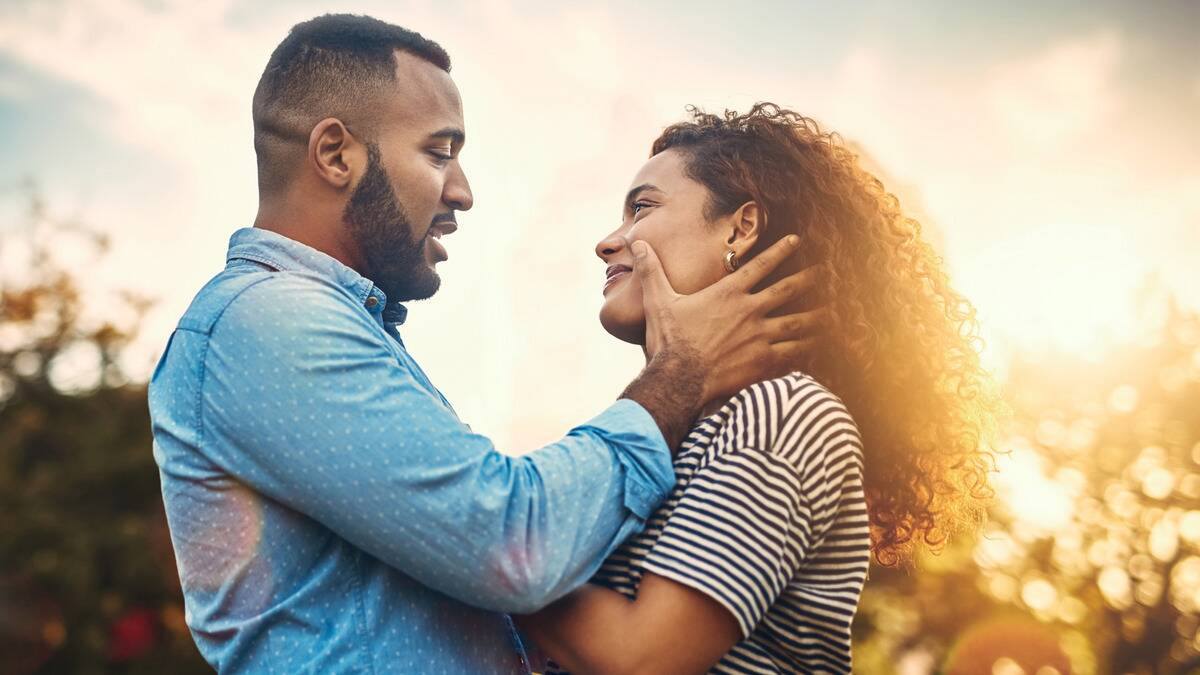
[{"x": 304, "y": 400}]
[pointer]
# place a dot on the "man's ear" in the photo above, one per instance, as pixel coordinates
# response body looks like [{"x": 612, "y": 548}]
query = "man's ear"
[
  {"x": 745, "y": 224},
  {"x": 334, "y": 154}
]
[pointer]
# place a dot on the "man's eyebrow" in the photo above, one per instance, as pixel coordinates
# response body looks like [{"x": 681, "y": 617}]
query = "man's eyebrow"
[
  {"x": 632, "y": 194},
  {"x": 457, "y": 136}
]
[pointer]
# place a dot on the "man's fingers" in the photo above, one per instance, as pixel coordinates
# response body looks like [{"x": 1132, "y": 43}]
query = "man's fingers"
[
  {"x": 788, "y": 354},
  {"x": 790, "y": 288},
  {"x": 757, "y": 269},
  {"x": 647, "y": 267},
  {"x": 796, "y": 326}
]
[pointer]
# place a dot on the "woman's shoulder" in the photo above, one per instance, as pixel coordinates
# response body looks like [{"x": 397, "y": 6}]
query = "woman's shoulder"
[{"x": 794, "y": 417}]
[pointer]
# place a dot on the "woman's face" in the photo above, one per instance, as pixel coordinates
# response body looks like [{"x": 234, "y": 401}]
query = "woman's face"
[{"x": 665, "y": 209}]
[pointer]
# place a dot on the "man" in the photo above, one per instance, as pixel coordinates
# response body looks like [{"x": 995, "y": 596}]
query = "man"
[{"x": 329, "y": 511}]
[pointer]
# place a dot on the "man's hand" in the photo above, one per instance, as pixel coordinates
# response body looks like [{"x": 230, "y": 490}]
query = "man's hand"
[
  {"x": 715, "y": 342},
  {"x": 725, "y": 325}
]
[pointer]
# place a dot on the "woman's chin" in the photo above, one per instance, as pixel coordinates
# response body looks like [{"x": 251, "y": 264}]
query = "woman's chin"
[{"x": 626, "y": 329}]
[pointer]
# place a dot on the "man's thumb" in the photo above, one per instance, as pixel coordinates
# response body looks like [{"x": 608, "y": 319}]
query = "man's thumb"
[{"x": 649, "y": 271}]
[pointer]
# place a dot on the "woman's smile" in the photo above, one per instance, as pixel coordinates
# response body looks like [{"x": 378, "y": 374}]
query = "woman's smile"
[{"x": 615, "y": 273}]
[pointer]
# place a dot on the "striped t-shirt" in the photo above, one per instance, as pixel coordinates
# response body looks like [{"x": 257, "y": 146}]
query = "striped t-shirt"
[{"x": 769, "y": 519}]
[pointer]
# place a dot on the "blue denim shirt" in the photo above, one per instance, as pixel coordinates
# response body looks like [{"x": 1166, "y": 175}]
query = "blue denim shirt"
[{"x": 329, "y": 511}]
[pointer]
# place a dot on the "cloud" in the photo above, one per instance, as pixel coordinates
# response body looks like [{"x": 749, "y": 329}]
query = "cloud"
[
  {"x": 164, "y": 72},
  {"x": 14, "y": 88},
  {"x": 1058, "y": 94}
]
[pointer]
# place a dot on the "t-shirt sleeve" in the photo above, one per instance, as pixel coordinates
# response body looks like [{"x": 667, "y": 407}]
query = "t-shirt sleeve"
[{"x": 759, "y": 507}]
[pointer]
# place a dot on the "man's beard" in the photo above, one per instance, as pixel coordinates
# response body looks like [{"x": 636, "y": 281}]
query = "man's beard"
[{"x": 379, "y": 226}]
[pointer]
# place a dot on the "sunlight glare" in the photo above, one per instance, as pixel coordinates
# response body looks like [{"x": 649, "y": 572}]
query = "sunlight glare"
[
  {"x": 1039, "y": 504},
  {"x": 1068, "y": 288}
]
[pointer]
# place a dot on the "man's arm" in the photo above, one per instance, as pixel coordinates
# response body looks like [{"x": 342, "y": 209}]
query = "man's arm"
[
  {"x": 304, "y": 401},
  {"x": 671, "y": 389}
]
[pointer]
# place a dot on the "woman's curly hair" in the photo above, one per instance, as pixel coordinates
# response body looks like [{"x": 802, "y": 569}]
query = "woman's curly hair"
[{"x": 900, "y": 346}]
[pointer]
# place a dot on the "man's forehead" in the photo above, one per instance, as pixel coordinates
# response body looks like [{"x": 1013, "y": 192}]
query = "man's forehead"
[{"x": 425, "y": 94}]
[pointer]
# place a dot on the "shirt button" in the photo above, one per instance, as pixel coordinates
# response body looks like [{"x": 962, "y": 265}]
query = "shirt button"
[{"x": 372, "y": 301}]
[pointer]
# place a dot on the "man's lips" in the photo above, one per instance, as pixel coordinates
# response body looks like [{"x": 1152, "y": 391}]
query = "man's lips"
[
  {"x": 442, "y": 225},
  {"x": 615, "y": 273}
]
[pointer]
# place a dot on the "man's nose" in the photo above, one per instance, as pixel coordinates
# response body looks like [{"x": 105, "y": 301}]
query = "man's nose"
[{"x": 457, "y": 192}]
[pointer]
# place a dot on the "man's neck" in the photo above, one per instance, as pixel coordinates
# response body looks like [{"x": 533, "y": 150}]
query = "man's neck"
[{"x": 307, "y": 225}]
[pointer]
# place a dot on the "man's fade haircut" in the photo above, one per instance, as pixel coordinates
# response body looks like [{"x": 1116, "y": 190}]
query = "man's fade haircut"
[{"x": 336, "y": 65}]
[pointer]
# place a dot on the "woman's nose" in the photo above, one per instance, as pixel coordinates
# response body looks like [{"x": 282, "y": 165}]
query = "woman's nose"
[{"x": 610, "y": 245}]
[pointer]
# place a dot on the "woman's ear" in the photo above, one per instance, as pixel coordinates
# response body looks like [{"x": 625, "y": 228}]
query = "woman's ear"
[{"x": 745, "y": 224}]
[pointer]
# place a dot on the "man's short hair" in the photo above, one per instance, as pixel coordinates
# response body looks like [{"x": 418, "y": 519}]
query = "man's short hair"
[{"x": 336, "y": 65}]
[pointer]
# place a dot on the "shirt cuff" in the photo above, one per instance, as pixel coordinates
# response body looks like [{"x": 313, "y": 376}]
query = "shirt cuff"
[{"x": 640, "y": 448}]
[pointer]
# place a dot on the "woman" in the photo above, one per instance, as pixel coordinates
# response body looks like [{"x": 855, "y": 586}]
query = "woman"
[{"x": 877, "y": 442}]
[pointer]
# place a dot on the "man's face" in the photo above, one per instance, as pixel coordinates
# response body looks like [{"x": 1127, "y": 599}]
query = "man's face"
[{"x": 405, "y": 201}]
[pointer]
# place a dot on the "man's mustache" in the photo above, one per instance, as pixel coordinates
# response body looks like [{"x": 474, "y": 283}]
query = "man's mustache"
[{"x": 445, "y": 218}]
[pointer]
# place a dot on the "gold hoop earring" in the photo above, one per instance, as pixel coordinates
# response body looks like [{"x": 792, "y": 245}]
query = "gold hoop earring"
[{"x": 731, "y": 261}]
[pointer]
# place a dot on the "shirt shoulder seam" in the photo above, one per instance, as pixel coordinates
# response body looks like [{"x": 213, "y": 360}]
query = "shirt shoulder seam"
[{"x": 278, "y": 277}]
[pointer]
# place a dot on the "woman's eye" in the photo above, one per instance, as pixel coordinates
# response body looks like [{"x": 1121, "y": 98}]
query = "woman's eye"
[{"x": 638, "y": 206}]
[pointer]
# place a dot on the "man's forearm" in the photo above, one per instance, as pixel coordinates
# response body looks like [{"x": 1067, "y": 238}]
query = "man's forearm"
[
  {"x": 587, "y": 631},
  {"x": 672, "y": 390}
]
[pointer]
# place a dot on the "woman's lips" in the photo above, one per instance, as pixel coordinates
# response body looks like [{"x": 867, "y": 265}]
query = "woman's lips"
[{"x": 615, "y": 273}]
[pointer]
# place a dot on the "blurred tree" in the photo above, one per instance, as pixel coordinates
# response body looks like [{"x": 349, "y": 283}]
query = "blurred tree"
[
  {"x": 1091, "y": 558},
  {"x": 87, "y": 579}
]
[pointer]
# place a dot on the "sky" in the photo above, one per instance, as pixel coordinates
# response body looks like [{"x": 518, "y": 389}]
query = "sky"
[{"x": 1051, "y": 149}]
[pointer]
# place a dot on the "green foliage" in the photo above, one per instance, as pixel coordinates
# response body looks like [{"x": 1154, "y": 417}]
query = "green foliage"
[{"x": 88, "y": 582}]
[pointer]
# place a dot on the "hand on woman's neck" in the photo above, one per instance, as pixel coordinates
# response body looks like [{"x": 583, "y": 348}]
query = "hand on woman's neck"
[{"x": 709, "y": 407}]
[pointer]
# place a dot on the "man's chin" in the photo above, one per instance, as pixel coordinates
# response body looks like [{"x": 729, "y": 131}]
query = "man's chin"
[{"x": 423, "y": 288}]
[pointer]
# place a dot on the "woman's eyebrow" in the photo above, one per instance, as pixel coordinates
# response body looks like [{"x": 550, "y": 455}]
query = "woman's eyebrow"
[{"x": 633, "y": 194}]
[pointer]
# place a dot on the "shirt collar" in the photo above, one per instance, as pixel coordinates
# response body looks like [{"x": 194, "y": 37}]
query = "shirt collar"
[{"x": 288, "y": 255}]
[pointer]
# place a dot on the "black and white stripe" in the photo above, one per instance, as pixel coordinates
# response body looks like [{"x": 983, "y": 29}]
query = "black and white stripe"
[{"x": 768, "y": 518}]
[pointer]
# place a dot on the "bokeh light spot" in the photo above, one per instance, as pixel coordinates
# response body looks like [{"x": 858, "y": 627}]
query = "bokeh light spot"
[
  {"x": 1149, "y": 590},
  {"x": 1038, "y": 504},
  {"x": 1115, "y": 586},
  {"x": 1158, "y": 483},
  {"x": 1051, "y": 433},
  {"x": 1072, "y": 610},
  {"x": 1039, "y": 594},
  {"x": 1003, "y": 587},
  {"x": 1164, "y": 540},
  {"x": 1007, "y": 666},
  {"x": 1189, "y": 527},
  {"x": 1185, "y": 585},
  {"x": 1123, "y": 399}
]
